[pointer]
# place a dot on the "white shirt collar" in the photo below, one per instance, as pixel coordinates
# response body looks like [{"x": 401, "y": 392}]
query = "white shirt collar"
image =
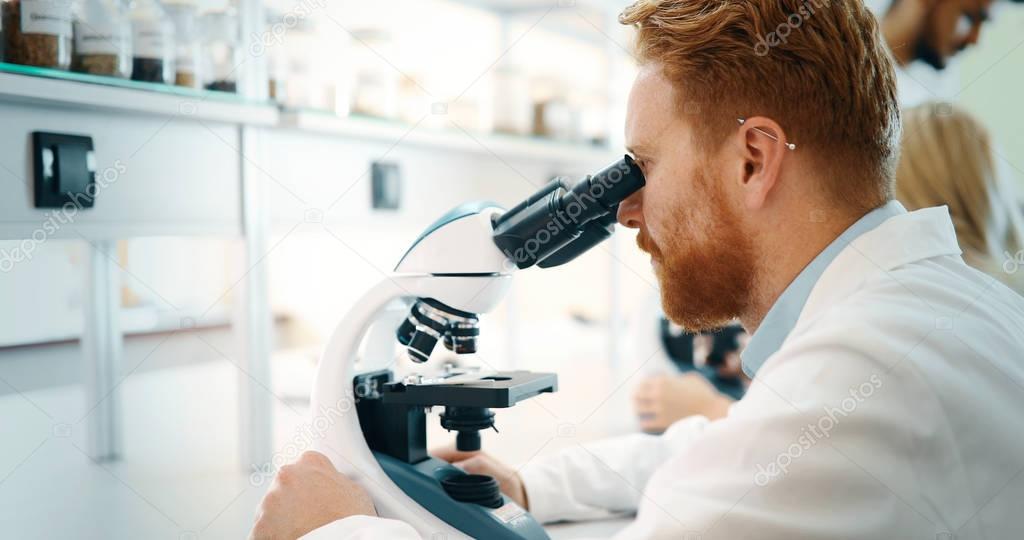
[{"x": 783, "y": 315}]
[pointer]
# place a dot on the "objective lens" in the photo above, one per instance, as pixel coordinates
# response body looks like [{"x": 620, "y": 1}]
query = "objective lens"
[
  {"x": 420, "y": 346},
  {"x": 405, "y": 331},
  {"x": 430, "y": 321},
  {"x": 461, "y": 337}
]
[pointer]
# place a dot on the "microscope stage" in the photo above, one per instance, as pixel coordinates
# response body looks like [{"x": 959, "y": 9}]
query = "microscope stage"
[{"x": 497, "y": 390}]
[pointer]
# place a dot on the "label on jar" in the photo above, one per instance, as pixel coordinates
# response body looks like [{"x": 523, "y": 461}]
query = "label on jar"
[
  {"x": 184, "y": 63},
  {"x": 52, "y": 17},
  {"x": 150, "y": 41},
  {"x": 99, "y": 37}
]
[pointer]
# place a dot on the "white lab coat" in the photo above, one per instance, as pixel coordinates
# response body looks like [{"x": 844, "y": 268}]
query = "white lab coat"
[{"x": 893, "y": 410}]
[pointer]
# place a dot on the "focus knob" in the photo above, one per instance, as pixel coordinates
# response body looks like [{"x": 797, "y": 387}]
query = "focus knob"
[{"x": 474, "y": 488}]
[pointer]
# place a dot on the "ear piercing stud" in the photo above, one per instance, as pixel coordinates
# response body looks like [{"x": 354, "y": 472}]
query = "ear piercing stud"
[{"x": 742, "y": 121}]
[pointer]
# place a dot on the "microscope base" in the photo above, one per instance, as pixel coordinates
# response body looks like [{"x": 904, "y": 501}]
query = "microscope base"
[
  {"x": 393, "y": 424},
  {"x": 422, "y": 482}
]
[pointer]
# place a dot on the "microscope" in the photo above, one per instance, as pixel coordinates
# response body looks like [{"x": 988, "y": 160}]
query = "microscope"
[{"x": 459, "y": 267}]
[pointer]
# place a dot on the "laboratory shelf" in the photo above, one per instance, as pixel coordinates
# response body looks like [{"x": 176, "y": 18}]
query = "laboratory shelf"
[
  {"x": 511, "y": 147},
  {"x": 581, "y": 20},
  {"x": 67, "y": 89}
]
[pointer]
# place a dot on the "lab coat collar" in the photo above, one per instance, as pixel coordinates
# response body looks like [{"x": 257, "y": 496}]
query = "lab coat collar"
[{"x": 908, "y": 237}]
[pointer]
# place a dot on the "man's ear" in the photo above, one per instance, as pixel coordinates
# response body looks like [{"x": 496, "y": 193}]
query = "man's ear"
[{"x": 764, "y": 146}]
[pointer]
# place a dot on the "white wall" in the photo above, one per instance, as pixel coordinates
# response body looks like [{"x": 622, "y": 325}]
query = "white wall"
[
  {"x": 156, "y": 176},
  {"x": 991, "y": 83}
]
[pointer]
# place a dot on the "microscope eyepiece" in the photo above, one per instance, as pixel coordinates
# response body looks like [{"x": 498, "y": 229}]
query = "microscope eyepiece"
[
  {"x": 608, "y": 187},
  {"x": 561, "y": 222},
  {"x": 551, "y": 227}
]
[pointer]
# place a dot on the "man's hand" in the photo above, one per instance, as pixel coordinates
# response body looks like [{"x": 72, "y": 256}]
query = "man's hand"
[
  {"x": 307, "y": 495},
  {"x": 480, "y": 463},
  {"x": 662, "y": 400}
]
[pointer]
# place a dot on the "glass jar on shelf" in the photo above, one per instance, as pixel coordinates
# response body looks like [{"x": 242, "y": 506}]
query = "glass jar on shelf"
[
  {"x": 307, "y": 84},
  {"x": 413, "y": 103},
  {"x": 552, "y": 115},
  {"x": 376, "y": 83},
  {"x": 222, "y": 45},
  {"x": 277, "y": 77},
  {"x": 102, "y": 39},
  {"x": 152, "y": 43},
  {"x": 593, "y": 110},
  {"x": 513, "y": 110},
  {"x": 184, "y": 14},
  {"x": 37, "y": 32},
  {"x": 271, "y": 45}
]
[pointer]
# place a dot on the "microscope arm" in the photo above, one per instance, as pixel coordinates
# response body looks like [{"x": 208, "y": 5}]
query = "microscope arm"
[{"x": 335, "y": 423}]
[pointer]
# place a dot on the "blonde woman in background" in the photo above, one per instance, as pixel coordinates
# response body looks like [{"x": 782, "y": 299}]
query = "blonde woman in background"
[{"x": 948, "y": 159}]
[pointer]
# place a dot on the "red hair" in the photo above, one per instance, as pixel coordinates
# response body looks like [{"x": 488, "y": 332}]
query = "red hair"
[{"x": 819, "y": 68}]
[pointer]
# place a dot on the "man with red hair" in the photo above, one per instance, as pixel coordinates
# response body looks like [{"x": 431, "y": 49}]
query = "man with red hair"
[{"x": 887, "y": 374}]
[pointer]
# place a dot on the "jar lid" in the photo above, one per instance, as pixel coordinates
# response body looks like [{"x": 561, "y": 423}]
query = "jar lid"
[{"x": 220, "y": 25}]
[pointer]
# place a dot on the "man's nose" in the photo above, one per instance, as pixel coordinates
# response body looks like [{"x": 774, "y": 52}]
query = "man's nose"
[
  {"x": 630, "y": 210},
  {"x": 972, "y": 37}
]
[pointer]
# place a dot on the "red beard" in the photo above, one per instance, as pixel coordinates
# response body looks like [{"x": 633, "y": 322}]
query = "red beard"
[{"x": 705, "y": 282}]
